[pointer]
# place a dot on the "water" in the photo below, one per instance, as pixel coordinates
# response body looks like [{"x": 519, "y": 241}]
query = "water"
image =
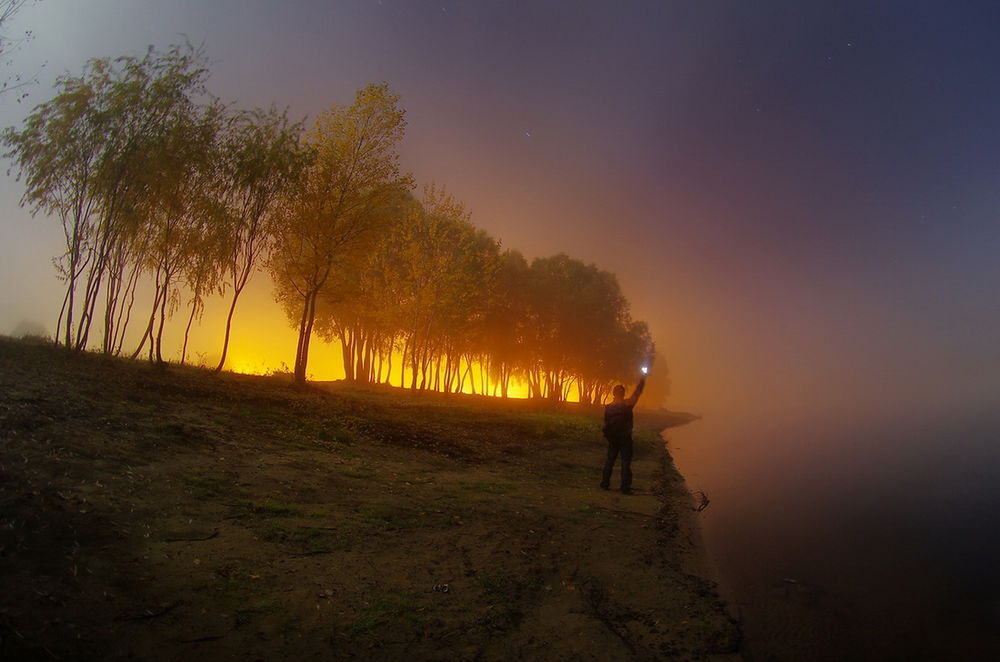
[{"x": 854, "y": 539}]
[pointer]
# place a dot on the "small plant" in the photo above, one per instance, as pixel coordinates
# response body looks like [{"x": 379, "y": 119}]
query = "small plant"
[
  {"x": 383, "y": 516},
  {"x": 497, "y": 583},
  {"x": 269, "y": 508},
  {"x": 337, "y": 436},
  {"x": 204, "y": 485},
  {"x": 385, "y": 610},
  {"x": 490, "y": 488},
  {"x": 304, "y": 538},
  {"x": 363, "y": 470},
  {"x": 244, "y": 616}
]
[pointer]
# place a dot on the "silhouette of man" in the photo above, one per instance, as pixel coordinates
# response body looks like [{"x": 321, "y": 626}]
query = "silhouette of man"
[{"x": 617, "y": 430}]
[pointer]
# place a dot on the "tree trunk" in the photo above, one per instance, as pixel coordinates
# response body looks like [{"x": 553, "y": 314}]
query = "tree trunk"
[
  {"x": 305, "y": 331},
  {"x": 345, "y": 353},
  {"x": 163, "y": 319},
  {"x": 229, "y": 326},
  {"x": 471, "y": 376},
  {"x": 388, "y": 362},
  {"x": 147, "y": 334},
  {"x": 122, "y": 325},
  {"x": 187, "y": 329},
  {"x": 414, "y": 367},
  {"x": 124, "y": 311},
  {"x": 66, "y": 299},
  {"x": 402, "y": 362}
]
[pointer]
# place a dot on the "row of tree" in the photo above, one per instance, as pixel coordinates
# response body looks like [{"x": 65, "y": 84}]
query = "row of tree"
[
  {"x": 157, "y": 182},
  {"x": 152, "y": 179}
]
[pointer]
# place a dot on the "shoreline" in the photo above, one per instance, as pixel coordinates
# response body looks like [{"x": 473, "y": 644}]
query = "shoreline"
[
  {"x": 695, "y": 557},
  {"x": 702, "y": 562}
]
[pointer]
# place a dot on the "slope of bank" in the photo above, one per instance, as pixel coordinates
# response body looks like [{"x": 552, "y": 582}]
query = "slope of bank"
[{"x": 155, "y": 513}]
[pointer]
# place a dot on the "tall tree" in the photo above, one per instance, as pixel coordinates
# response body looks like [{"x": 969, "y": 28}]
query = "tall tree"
[
  {"x": 179, "y": 209},
  {"x": 261, "y": 157},
  {"x": 91, "y": 156},
  {"x": 505, "y": 327},
  {"x": 334, "y": 211},
  {"x": 578, "y": 319},
  {"x": 360, "y": 310}
]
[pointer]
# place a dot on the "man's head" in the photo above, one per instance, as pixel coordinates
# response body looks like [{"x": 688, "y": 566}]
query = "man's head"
[{"x": 618, "y": 391}]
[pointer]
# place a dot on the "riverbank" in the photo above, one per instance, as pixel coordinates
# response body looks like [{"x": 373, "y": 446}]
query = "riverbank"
[
  {"x": 160, "y": 513},
  {"x": 692, "y": 502}
]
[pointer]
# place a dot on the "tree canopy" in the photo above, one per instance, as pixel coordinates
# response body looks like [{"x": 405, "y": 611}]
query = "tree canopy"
[{"x": 157, "y": 183}]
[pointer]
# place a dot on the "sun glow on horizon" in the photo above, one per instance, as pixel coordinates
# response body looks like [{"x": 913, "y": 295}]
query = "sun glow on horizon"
[{"x": 326, "y": 365}]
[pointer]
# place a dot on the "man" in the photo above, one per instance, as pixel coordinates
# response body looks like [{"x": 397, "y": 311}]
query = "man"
[{"x": 617, "y": 430}]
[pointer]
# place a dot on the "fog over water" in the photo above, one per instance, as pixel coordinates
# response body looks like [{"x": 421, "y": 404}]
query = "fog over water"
[{"x": 854, "y": 538}]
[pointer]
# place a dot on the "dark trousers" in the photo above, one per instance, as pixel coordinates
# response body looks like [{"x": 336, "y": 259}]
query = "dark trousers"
[{"x": 616, "y": 445}]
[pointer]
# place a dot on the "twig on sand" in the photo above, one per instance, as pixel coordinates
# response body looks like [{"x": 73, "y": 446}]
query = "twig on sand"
[
  {"x": 150, "y": 614},
  {"x": 703, "y": 501},
  {"x": 315, "y": 552},
  {"x": 210, "y": 637},
  {"x": 213, "y": 534},
  {"x": 630, "y": 512}
]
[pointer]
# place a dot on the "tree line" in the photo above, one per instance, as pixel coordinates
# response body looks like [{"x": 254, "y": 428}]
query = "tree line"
[{"x": 158, "y": 183}]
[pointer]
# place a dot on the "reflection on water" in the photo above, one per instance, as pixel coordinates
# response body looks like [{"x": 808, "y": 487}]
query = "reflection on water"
[{"x": 854, "y": 540}]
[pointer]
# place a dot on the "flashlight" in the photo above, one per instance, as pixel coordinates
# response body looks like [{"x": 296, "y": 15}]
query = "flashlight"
[{"x": 645, "y": 369}]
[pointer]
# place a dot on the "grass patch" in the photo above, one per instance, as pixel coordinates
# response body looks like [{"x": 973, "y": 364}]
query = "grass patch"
[
  {"x": 209, "y": 484},
  {"x": 337, "y": 436},
  {"x": 581, "y": 469},
  {"x": 269, "y": 508},
  {"x": 581, "y": 513},
  {"x": 302, "y": 538},
  {"x": 301, "y": 445},
  {"x": 561, "y": 426},
  {"x": 387, "y": 517},
  {"x": 502, "y": 584},
  {"x": 245, "y": 616},
  {"x": 235, "y": 581},
  {"x": 385, "y": 610},
  {"x": 265, "y": 417},
  {"x": 508, "y": 591},
  {"x": 491, "y": 488},
  {"x": 363, "y": 470}
]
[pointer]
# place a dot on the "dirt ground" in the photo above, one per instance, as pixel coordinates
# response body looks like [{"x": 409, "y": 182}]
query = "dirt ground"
[{"x": 165, "y": 513}]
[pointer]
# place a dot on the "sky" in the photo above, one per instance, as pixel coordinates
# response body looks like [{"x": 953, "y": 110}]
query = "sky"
[{"x": 801, "y": 199}]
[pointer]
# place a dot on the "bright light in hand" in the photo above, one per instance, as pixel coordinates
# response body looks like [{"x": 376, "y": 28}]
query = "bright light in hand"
[{"x": 645, "y": 369}]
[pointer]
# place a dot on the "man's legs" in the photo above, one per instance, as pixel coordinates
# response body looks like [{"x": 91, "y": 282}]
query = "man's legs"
[
  {"x": 626, "y": 449},
  {"x": 609, "y": 463}
]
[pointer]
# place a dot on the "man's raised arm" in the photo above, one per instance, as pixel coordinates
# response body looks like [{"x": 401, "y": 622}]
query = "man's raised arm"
[{"x": 634, "y": 398}]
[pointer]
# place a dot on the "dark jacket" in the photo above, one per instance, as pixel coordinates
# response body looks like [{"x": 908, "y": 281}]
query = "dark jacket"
[{"x": 618, "y": 415}]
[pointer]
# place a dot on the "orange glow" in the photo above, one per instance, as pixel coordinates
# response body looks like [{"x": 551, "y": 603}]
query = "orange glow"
[{"x": 263, "y": 343}]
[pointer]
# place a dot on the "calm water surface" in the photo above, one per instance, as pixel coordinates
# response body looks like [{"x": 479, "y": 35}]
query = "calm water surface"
[{"x": 845, "y": 539}]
